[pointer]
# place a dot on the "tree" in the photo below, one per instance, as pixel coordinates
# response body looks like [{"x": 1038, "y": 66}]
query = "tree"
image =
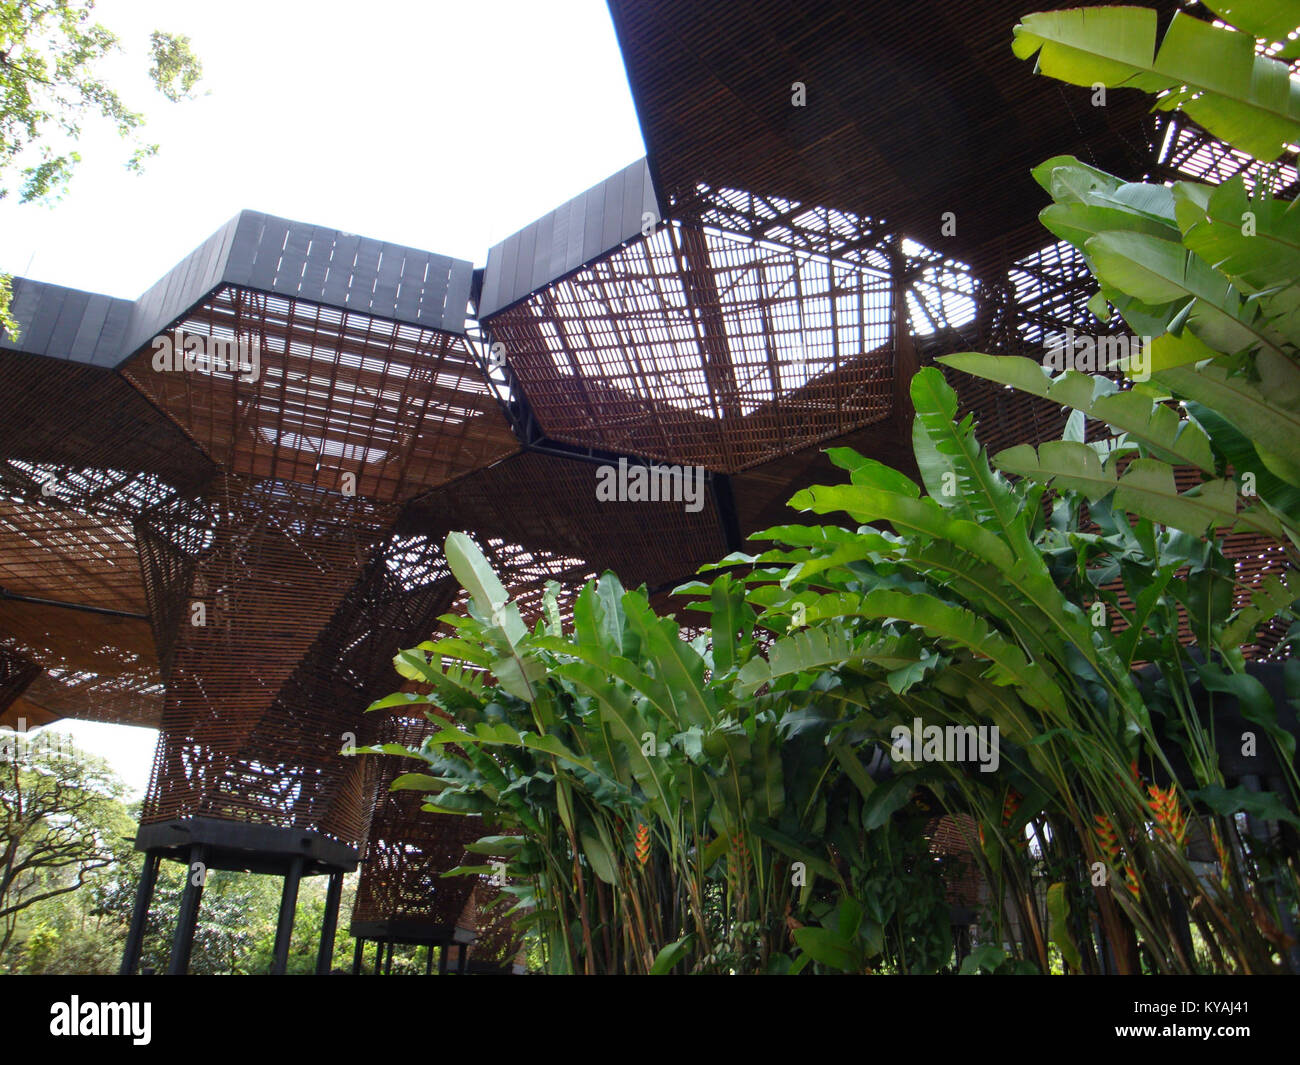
[
  {"x": 50, "y": 52},
  {"x": 61, "y": 818}
]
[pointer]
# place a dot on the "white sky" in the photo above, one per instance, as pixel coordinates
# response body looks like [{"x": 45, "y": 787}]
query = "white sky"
[{"x": 440, "y": 125}]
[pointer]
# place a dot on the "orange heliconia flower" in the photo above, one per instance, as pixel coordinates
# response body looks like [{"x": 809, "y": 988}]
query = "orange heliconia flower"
[
  {"x": 1010, "y": 805},
  {"x": 739, "y": 864},
  {"x": 1107, "y": 837},
  {"x": 642, "y": 843},
  {"x": 1168, "y": 814},
  {"x": 1222, "y": 852},
  {"x": 1219, "y": 848},
  {"x": 1132, "y": 772},
  {"x": 1131, "y": 882}
]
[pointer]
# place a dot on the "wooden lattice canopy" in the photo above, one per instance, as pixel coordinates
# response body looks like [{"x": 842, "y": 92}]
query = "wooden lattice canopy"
[{"x": 234, "y": 554}]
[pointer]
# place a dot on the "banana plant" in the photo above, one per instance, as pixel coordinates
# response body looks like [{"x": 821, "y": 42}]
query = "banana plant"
[
  {"x": 1210, "y": 273},
  {"x": 1211, "y": 73},
  {"x": 983, "y": 600}
]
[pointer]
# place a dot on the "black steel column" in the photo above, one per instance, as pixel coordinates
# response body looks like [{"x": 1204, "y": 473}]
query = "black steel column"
[
  {"x": 428, "y": 960},
  {"x": 140, "y": 914},
  {"x": 358, "y": 956},
  {"x": 325, "y": 956},
  {"x": 288, "y": 910},
  {"x": 388, "y": 965},
  {"x": 442, "y": 959},
  {"x": 379, "y": 958},
  {"x": 462, "y": 959},
  {"x": 196, "y": 874}
]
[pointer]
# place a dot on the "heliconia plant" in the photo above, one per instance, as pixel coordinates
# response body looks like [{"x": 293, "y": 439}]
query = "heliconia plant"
[
  {"x": 971, "y": 603},
  {"x": 653, "y": 811},
  {"x": 658, "y": 791}
]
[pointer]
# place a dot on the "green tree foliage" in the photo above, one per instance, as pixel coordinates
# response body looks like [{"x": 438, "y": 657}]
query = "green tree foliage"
[
  {"x": 50, "y": 55},
  {"x": 61, "y": 821},
  {"x": 69, "y": 871},
  {"x": 1211, "y": 273},
  {"x": 84, "y": 931}
]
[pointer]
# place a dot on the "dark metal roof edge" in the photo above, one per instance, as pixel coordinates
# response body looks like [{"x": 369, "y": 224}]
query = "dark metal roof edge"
[
  {"x": 580, "y": 230},
  {"x": 237, "y": 254}
]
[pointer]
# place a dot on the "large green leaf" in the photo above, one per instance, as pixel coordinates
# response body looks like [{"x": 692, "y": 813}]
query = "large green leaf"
[
  {"x": 923, "y": 516},
  {"x": 1269, "y": 20},
  {"x": 1147, "y": 487},
  {"x": 477, "y": 577},
  {"x": 652, "y": 688},
  {"x": 617, "y": 708},
  {"x": 1159, "y": 271},
  {"x": 1153, "y": 425},
  {"x": 732, "y": 627},
  {"x": 1274, "y": 595},
  {"x": 946, "y": 621},
  {"x": 886, "y": 799},
  {"x": 602, "y": 862},
  {"x": 1259, "y": 256},
  {"x": 805, "y": 651},
  {"x": 1029, "y": 582},
  {"x": 1076, "y": 222},
  {"x": 1253, "y": 700},
  {"x": 502, "y": 735},
  {"x": 670, "y": 955},
  {"x": 1262, "y": 804},
  {"x": 1273, "y": 428},
  {"x": 513, "y": 671},
  {"x": 1239, "y": 453},
  {"x": 681, "y": 669},
  {"x": 1058, "y": 911},
  {"x": 1178, "y": 349},
  {"x": 1212, "y": 74},
  {"x": 829, "y": 948},
  {"x": 954, "y": 467},
  {"x": 417, "y": 782},
  {"x": 864, "y": 470},
  {"x": 1090, "y": 201}
]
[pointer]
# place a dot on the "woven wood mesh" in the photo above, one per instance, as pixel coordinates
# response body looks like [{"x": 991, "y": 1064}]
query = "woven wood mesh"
[
  {"x": 498, "y": 942},
  {"x": 280, "y": 593},
  {"x": 912, "y": 109},
  {"x": 340, "y": 400},
  {"x": 278, "y": 561},
  {"x": 16, "y": 672},
  {"x": 949, "y": 842},
  {"x": 545, "y": 503},
  {"x": 699, "y": 347},
  {"x": 81, "y": 455},
  {"x": 407, "y": 850}
]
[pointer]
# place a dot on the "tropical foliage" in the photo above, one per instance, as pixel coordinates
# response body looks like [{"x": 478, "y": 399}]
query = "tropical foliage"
[
  {"x": 653, "y": 794},
  {"x": 651, "y": 804},
  {"x": 724, "y": 803}
]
